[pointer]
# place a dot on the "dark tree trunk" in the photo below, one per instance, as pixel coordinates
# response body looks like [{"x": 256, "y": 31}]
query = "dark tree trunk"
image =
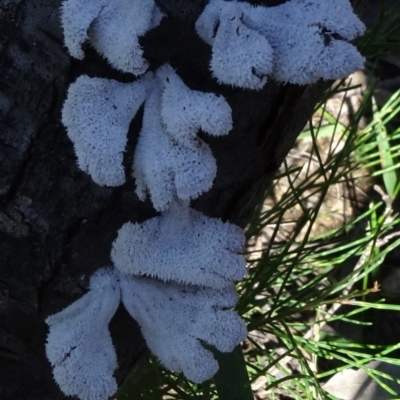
[{"x": 56, "y": 225}]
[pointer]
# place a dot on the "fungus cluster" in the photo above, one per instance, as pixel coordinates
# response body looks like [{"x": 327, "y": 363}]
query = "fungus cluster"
[
  {"x": 296, "y": 42},
  {"x": 175, "y": 273}
]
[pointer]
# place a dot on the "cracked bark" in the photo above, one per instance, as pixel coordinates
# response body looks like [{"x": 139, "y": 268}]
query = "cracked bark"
[{"x": 56, "y": 225}]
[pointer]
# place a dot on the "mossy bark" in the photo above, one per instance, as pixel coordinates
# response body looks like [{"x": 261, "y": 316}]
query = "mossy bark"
[{"x": 56, "y": 225}]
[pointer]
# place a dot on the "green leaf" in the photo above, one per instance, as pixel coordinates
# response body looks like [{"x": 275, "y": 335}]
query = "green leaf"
[
  {"x": 231, "y": 380},
  {"x": 390, "y": 174}
]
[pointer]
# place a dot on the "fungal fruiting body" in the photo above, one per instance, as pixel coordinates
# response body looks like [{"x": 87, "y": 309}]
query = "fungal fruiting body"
[
  {"x": 79, "y": 345},
  {"x": 174, "y": 319},
  {"x": 184, "y": 111},
  {"x": 115, "y": 34},
  {"x": 181, "y": 252},
  {"x": 97, "y": 114},
  {"x": 175, "y": 273},
  {"x": 113, "y": 27},
  {"x": 170, "y": 160},
  {"x": 184, "y": 246},
  {"x": 309, "y": 39},
  {"x": 164, "y": 167},
  {"x": 240, "y": 56}
]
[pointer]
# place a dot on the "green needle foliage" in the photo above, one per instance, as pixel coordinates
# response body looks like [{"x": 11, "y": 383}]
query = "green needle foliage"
[
  {"x": 298, "y": 286},
  {"x": 384, "y": 37}
]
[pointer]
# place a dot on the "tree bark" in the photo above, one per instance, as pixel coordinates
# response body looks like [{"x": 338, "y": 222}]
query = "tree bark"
[{"x": 56, "y": 225}]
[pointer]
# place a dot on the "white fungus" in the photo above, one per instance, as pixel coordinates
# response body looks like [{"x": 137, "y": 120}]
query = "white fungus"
[
  {"x": 113, "y": 28},
  {"x": 165, "y": 167},
  {"x": 175, "y": 318},
  {"x": 185, "y": 112},
  {"x": 181, "y": 245},
  {"x": 97, "y": 114},
  {"x": 170, "y": 161},
  {"x": 79, "y": 345},
  {"x": 309, "y": 38},
  {"x": 76, "y": 17},
  {"x": 175, "y": 271},
  {"x": 240, "y": 56}
]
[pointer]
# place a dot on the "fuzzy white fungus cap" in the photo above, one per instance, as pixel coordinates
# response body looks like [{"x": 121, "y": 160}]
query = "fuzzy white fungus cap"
[
  {"x": 113, "y": 28},
  {"x": 174, "y": 318},
  {"x": 184, "y": 111},
  {"x": 79, "y": 345},
  {"x": 240, "y": 55},
  {"x": 165, "y": 167},
  {"x": 97, "y": 114},
  {"x": 309, "y": 38},
  {"x": 76, "y": 17},
  {"x": 182, "y": 245}
]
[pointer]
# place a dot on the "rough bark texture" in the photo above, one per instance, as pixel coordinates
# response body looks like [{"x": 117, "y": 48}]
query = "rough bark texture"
[{"x": 56, "y": 225}]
